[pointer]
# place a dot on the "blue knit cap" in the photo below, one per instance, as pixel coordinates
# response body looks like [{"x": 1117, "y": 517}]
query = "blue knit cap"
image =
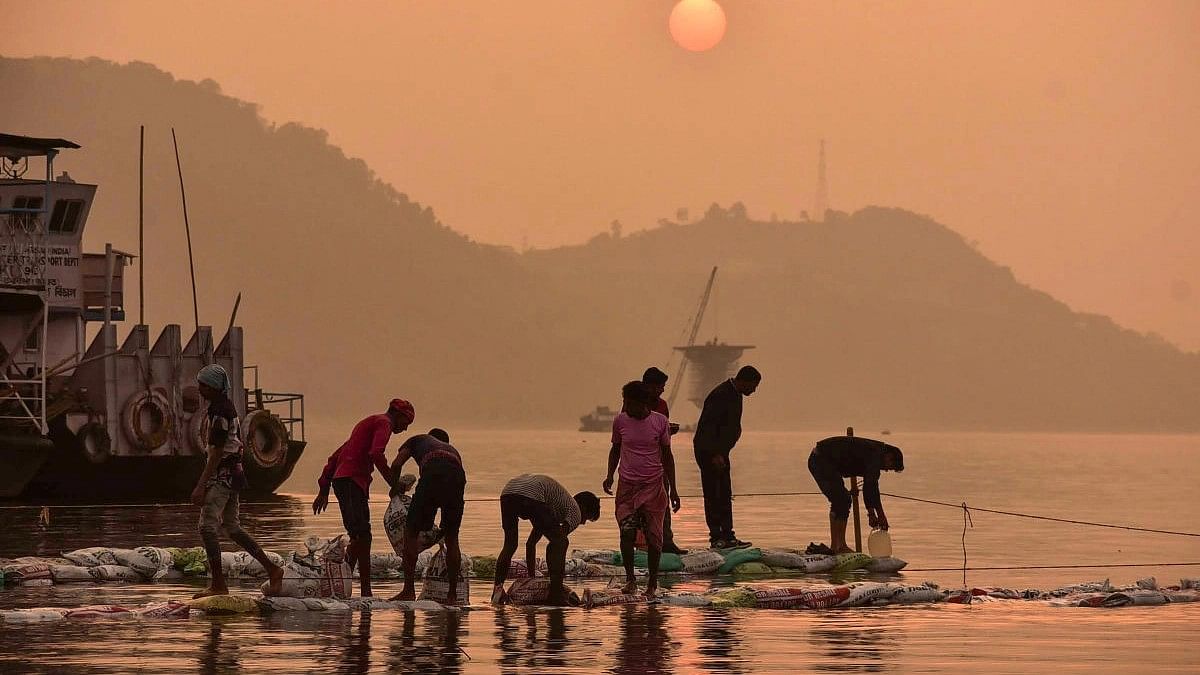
[{"x": 214, "y": 376}]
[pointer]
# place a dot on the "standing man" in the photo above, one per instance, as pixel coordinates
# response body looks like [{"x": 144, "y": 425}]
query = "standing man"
[
  {"x": 657, "y": 381},
  {"x": 554, "y": 514},
  {"x": 349, "y": 470},
  {"x": 718, "y": 430},
  {"x": 641, "y": 447},
  {"x": 441, "y": 487},
  {"x": 223, "y": 478},
  {"x": 841, "y": 457}
]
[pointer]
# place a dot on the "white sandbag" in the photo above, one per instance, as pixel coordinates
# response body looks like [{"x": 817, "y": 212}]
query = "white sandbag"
[
  {"x": 34, "y": 615},
  {"x": 866, "y": 593},
  {"x": 1186, "y": 583},
  {"x": 325, "y": 605},
  {"x": 436, "y": 583},
  {"x": 163, "y": 610},
  {"x": 295, "y": 587},
  {"x": 115, "y": 573},
  {"x": 424, "y": 605},
  {"x": 91, "y": 557},
  {"x": 601, "y": 556},
  {"x": 394, "y": 520},
  {"x": 1146, "y": 597},
  {"x": 253, "y": 568},
  {"x": 783, "y": 559},
  {"x": 886, "y": 565},
  {"x": 423, "y": 560},
  {"x": 1183, "y": 596},
  {"x": 907, "y": 595},
  {"x": 1149, "y": 583},
  {"x": 371, "y": 604},
  {"x": 815, "y": 563},
  {"x": 173, "y": 575},
  {"x": 685, "y": 600},
  {"x": 385, "y": 562},
  {"x": 1087, "y": 587},
  {"x": 702, "y": 562},
  {"x": 40, "y": 560},
  {"x": 25, "y": 573},
  {"x": 63, "y": 574},
  {"x": 138, "y": 561},
  {"x": 576, "y": 567}
]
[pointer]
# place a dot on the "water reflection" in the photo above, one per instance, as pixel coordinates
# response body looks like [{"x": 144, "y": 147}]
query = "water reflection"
[
  {"x": 644, "y": 644},
  {"x": 437, "y": 650},
  {"x": 718, "y": 642},
  {"x": 217, "y": 656},
  {"x": 531, "y": 639},
  {"x": 863, "y": 643}
]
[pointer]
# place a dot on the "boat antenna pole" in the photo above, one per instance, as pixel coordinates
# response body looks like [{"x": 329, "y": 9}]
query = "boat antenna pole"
[
  {"x": 141, "y": 227},
  {"x": 692, "y": 337},
  {"x": 233, "y": 317},
  {"x": 188, "y": 230}
]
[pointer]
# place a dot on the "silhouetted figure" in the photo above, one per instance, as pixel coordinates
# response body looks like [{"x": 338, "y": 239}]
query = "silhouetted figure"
[
  {"x": 718, "y": 430},
  {"x": 554, "y": 514},
  {"x": 839, "y": 457},
  {"x": 441, "y": 487},
  {"x": 349, "y": 470},
  {"x": 220, "y": 484},
  {"x": 657, "y": 381},
  {"x": 641, "y": 447}
]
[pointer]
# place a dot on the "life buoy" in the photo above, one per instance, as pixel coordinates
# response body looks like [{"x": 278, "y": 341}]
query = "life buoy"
[
  {"x": 266, "y": 439},
  {"x": 198, "y": 428},
  {"x": 146, "y": 420},
  {"x": 94, "y": 442}
]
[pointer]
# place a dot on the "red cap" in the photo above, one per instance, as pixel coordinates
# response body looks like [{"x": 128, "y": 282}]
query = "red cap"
[{"x": 404, "y": 408}]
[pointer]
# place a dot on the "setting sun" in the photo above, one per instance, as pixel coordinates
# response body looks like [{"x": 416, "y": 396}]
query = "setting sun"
[{"x": 697, "y": 25}]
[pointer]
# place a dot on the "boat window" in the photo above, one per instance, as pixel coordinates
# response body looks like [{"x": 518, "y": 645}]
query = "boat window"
[
  {"x": 65, "y": 219},
  {"x": 34, "y": 339}
]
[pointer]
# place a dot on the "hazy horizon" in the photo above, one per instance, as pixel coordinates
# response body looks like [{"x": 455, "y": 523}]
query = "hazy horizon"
[{"x": 1060, "y": 138}]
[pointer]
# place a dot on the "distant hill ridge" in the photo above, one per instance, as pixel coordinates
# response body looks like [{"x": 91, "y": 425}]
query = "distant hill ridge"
[{"x": 355, "y": 293}]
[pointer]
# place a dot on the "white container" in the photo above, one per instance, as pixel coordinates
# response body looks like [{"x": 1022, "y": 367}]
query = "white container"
[{"x": 879, "y": 544}]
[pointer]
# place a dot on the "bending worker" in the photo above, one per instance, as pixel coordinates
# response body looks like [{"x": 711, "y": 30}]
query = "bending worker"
[
  {"x": 554, "y": 514},
  {"x": 841, "y": 457}
]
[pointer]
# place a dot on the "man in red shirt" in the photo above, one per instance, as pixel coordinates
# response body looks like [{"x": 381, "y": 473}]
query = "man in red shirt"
[
  {"x": 348, "y": 471},
  {"x": 657, "y": 381}
]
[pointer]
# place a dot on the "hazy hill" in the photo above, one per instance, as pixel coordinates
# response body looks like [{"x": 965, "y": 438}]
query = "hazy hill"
[{"x": 354, "y": 292}]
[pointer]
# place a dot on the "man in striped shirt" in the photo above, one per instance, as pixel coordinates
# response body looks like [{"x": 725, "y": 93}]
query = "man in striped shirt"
[{"x": 554, "y": 514}]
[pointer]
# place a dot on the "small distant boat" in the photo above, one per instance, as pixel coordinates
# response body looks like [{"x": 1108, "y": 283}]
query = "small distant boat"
[
  {"x": 600, "y": 419},
  {"x": 886, "y": 432}
]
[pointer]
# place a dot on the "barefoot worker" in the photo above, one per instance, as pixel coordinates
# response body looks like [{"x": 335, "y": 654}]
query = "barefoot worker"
[
  {"x": 554, "y": 514},
  {"x": 440, "y": 488},
  {"x": 349, "y": 470},
  {"x": 657, "y": 381},
  {"x": 223, "y": 477},
  {"x": 641, "y": 447},
  {"x": 841, "y": 457},
  {"x": 718, "y": 430}
]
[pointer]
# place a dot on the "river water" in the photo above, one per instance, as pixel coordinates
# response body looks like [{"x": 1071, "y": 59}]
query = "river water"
[{"x": 1149, "y": 481}]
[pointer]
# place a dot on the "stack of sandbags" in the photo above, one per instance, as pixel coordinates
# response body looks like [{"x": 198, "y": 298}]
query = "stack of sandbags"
[
  {"x": 608, "y": 597},
  {"x": 154, "y": 610},
  {"x": 329, "y": 576},
  {"x": 702, "y": 562},
  {"x": 396, "y": 515}
]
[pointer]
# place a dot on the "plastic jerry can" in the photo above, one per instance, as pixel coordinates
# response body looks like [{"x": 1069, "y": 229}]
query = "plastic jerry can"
[{"x": 879, "y": 544}]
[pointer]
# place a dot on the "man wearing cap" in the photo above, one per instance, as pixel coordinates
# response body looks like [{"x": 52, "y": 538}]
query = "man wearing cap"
[
  {"x": 349, "y": 470},
  {"x": 223, "y": 477},
  {"x": 848, "y": 456},
  {"x": 441, "y": 487}
]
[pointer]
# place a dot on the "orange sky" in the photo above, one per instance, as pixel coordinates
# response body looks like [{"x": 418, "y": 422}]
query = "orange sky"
[{"x": 1061, "y": 136}]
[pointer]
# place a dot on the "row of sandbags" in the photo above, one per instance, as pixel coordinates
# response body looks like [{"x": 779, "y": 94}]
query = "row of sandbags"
[
  {"x": 748, "y": 561},
  {"x": 155, "y": 610}
]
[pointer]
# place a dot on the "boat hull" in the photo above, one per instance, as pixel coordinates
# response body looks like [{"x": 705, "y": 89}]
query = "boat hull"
[{"x": 65, "y": 474}]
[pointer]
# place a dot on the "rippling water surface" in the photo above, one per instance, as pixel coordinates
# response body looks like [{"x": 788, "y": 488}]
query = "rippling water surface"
[{"x": 1140, "y": 480}]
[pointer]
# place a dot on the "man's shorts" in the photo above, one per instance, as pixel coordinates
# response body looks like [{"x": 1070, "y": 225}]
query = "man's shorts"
[
  {"x": 516, "y": 507},
  {"x": 831, "y": 483},
  {"x": 441, "y": 487},
  {"x": 352, "y": 500}
]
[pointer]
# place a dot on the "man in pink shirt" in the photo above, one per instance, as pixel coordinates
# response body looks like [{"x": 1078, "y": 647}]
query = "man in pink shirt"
[
  {"x": 348, "y": 471},
  {"x": 642, "y": 449}
]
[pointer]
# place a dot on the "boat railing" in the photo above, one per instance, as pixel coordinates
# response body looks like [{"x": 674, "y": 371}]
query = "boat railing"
[{"x": 287, "y": 406}]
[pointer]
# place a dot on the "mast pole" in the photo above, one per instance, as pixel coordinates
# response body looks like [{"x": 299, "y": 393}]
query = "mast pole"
[
  {"x": 141, "y": 227},
  {"x": 188, "y": 229},
  {"x": 678, "y": 380}
]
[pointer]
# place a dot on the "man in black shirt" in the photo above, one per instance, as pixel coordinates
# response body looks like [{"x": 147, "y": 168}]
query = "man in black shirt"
[
  {"x": 718, "y": 430},
  {"x": 841, "y": 457}
]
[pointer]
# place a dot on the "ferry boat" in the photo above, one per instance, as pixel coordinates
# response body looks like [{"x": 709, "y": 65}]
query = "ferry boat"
[
  {"x": 110, "y": 419},
  {"x": 600, "y": 419}
]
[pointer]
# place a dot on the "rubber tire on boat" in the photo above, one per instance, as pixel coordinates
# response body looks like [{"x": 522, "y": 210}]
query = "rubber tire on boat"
[
  {"x": 94, "y": 442},
  {"x": 198, "y": 428},
  {"x": 273, "y": 451},
  {"x": 131, "y": 415}
]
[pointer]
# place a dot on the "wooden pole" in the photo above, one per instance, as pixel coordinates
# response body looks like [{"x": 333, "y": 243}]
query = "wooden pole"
[
  {"x": 188, "y": 230},
  {"x": 141, "y": 228},
  {"x": 233, "y": 316},
  {"x": 854, "y": 500}
]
